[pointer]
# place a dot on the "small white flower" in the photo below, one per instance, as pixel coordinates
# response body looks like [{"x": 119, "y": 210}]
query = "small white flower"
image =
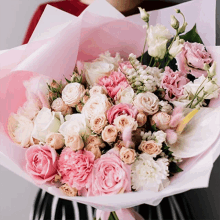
[
  {"x": 160, "y": 137},
  {"x": 45, "y": 123},
  {"x": 148, "y": 174}
]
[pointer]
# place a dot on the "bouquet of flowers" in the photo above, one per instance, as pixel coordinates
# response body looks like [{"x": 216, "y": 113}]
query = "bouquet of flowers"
[{"x": 119, "y": 123}]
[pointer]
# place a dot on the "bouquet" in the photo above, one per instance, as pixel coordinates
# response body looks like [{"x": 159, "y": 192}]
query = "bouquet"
[{"x": 119, "y": 123}]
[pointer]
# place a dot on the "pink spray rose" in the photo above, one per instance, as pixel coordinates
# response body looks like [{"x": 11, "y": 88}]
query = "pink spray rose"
[
  {"x": 41, "y": 163},
  {"x": 173, "y": 83},
  {"x": 114, "y": 83},
  {"x": 110, "y": 175},
  {"x": 192, "y": 59},
  {"x": 121, "y": 109},
  {"x": 76, "y": 167}
]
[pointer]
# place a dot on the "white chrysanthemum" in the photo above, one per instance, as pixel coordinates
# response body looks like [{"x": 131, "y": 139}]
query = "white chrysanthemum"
[
  {"x": 160, "y": 137},
  {"x": 165, "y": 107},
  {"x": 148, "y": 174}
]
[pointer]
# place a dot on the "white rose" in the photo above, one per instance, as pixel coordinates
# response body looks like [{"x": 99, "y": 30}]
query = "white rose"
[
  {"x": 96, "y": 105},
  {"x": 29, "y": 109},
  {"x": 157, "y": 32},
  {"x": 72, "y": 93},
  {"x": 125, "y": 95},
  {"x": 75, "y": 123},
  {"x": 95, "y": 70},
  {"x": 107, "y": 58},
  {"x": 97, "y": 90},
  {"x": 176, "y": 47},
  {"x": 157, "y": 37},
  {"x": 158, "y": 49},
  {"x": 147, "y": 102},
  {"x": 20, "y": 129},
  {"x": 45, "y": 123},
  {"x": 36, "y": 84}
]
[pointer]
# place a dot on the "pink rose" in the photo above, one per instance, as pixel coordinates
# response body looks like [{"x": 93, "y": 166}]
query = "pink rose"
[
  {"x": 192, "y": 59},
  {"x": 114, "y": 83},
  {"x": 121, "y": 109},
  {"x": 110, "y": 176},
  {"x": 173, "y": 83},
  {"x": 76, "y": 167},
  {"x": 41, "y": 163}
]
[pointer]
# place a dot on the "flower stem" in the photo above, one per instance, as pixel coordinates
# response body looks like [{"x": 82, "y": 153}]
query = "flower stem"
[
  {"x": 151, "y": 59},
  {"x": 144, "y": 48},
  {"x": 115, "y": 215}
]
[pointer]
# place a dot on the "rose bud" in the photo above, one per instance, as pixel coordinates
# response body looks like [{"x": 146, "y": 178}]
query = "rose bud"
[
  {"x": 54, "y": 85},
  {"x": 58, "y": 105},
  {"x": 85, "y": 99},
  {"x": 127, "y": 155},
  {"x": 55, "y": 140},
  {"x": 95, "y": 140},
  {"x": 141, "y": 119},
  {"x": 79, "y": 107},
  {"x": 162, "y": 120},
  {"x": 69, "y": 191},
  {"x": 150, "y": 147},
  {"x": 94, "y": 149},
  {"x": 74, "y": 142}
]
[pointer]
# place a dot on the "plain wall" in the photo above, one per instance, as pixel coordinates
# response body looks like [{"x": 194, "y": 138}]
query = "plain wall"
[{"x": 16, "y": 194}]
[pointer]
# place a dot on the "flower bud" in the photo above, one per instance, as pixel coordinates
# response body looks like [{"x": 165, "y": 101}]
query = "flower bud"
[
  {"x": 206, "y": 67},
  {"x": 174, "y": 22},
  {"x": 182, "y": 28},
  {"x": 177, "y": 10},
  {"x": 212, "y": 70},
  {"x": 176, "y": 47},
  {"x": 144, "y": 15},
  {"x": 55, "y": 140}
]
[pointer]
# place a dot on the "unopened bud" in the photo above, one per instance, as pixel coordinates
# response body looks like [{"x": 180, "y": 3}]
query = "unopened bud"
[
  {"x": 183, "y": 28},
  {"x": 174, "y": 22},
  {"x": 177, "y": 10},
  {"x": 212, "y": 70},
  {"x": 144, "y": 15}
]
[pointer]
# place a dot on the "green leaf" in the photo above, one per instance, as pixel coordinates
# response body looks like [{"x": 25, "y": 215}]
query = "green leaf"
[
  {"x": 174, "y": 168},
  {"x": 192, "y": 36},
  {"x": 67, "y": 80},
  {"x": 111, "y": 217},
  {"x": 154, "y": 127}
]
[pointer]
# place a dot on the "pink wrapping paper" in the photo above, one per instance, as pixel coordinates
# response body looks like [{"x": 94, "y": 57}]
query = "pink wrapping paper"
[{"x": 54, "y": 55}]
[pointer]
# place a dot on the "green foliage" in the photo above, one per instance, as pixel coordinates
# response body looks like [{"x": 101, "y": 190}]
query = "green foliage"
[
  {"x": 192, "y": 36},
  {"x": 174, "y": 168}
]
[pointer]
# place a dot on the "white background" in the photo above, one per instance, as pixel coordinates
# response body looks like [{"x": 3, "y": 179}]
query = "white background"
[{"x": 16, "y": 194}]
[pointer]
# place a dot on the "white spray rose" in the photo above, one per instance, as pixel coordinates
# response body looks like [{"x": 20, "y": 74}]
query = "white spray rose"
[
  {"x": 96, "y": 70},
  {"x": 96, "y": 105},
  {"x": 72, "y": 93},
  {"x": 45, "y": 123},
  {"x": 148, "y": 174},
  {"x": 74, "y": 124},
  {"x": 125, "y": 95},
  {"x": 20, "y": 129}
]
